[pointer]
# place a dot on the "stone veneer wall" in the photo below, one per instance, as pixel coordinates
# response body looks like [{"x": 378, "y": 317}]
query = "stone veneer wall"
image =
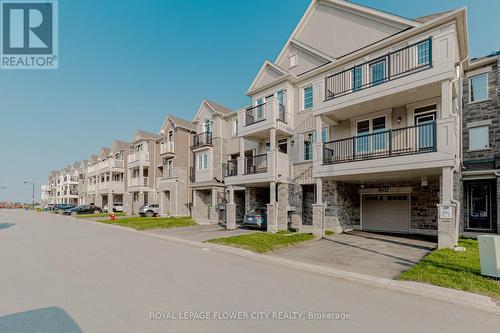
[
  {"x": 307, "y": 202},
  {"x": 203, "y": 201},
  {"x": 256, "y": 197},
  {"x": 239, "y": 200},
  {"x": 343, "y": 201}
]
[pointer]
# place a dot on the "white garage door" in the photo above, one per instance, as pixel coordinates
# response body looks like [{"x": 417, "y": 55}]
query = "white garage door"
[{"x": 387, "y": 212}]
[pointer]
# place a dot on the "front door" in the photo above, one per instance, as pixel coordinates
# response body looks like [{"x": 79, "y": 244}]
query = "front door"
[{"x": 479, "y": 206}]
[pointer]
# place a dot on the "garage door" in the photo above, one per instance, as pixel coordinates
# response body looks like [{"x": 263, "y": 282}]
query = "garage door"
[{"x": 388, "y": 212}]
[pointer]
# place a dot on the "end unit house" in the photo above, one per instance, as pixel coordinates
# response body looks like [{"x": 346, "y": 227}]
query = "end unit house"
[
  {"x": 174, "y": 165},
  {"x": 481, "y": 145},
  {"x": 359, "y": 129}
]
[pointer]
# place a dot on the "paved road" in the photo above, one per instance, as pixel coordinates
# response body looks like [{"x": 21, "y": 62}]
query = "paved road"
[{"x": 97, "y": 279}]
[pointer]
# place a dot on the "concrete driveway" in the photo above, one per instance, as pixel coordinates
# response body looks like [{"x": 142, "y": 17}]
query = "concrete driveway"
[
  {"x": 362, "y": 252},
  {"x": 201, "y": 233}
]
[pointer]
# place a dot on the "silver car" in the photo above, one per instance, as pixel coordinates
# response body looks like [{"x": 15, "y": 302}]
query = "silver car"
[{"x": 149, "y": 210}]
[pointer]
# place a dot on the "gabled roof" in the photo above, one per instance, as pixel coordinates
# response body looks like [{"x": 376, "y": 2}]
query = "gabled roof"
[
  {"x": 430, "y": 17},
  {"x": 143, "y": 135},
  {"x": 268, "y": 66},
  {"x": 215, "y": 107},
  {"x": 93, "y": 158},
  {"x": 186, "y": 124},
  {"x": 104, "y": 152},
  {"x": 119, "y": 145}
]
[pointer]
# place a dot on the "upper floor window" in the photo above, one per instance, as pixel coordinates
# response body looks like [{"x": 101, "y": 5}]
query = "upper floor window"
[
  {"x": 423, "y": 53},
  {"x": 308, "y": 145},
  {"x": 308, "y": 97},
  {"x": 170, "y": 136},
  {"x": 207, "y": 125},
  {"x": 479, "y": 138},
  {"x": 202, "y": 161},
  {"x": 478, "y": 88}
]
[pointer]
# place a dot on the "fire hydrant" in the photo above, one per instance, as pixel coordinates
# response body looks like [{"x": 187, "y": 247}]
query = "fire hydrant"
[{"x": 112, "y": 216}]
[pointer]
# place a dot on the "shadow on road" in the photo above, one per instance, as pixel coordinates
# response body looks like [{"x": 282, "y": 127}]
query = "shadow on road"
[
  {"x": 46, "y": 320},
  {"x": 6, "y": 225}
]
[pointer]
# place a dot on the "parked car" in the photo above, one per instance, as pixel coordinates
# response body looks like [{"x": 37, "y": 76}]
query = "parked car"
[
  {"x": 256, "y": 218},
  {"x": 60, "y": 208},
  {"x": 49, "y": 207},
  {"x": 117, "y": 207},
  {"x": 149, "y": 210},
  {"x": 83, "y": 209}
]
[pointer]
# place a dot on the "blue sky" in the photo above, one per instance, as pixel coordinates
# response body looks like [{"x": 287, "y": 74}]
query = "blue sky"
[{"x": 125, "y": 65}]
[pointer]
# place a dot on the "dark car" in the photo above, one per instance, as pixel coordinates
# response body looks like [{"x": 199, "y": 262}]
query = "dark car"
[
  {"x": 84, "y": 209},
  {"x": 60, "y": 208},
  {"x": 256, "y": 218}
]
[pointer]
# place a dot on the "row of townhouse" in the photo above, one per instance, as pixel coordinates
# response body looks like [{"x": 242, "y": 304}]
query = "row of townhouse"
[{"x": 365, "y": 120}]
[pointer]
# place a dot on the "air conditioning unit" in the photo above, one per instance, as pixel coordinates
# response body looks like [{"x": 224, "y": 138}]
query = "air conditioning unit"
[{"x": 489, "y": 255}]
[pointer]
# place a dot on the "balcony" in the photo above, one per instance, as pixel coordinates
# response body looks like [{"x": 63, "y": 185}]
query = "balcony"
[
  {"x": 415, "y": 150},
  {"x": 111, "y": 163},
  {"x": 396, "y": 142},
  {"x": 115, "y": 186},
  {"x": 138, "y": 182},
  {"x": 138, "y": 157},
  {"x": 394, "y": 65},
  {"x": 259, "y": 119},
  {"x": 167, "y": 148},
  {"x": 202, "y": 140},
  {"x": 256, "y": 164},
  {"x": 258, "y": 169},
  {"x": 232, "y": 168}
]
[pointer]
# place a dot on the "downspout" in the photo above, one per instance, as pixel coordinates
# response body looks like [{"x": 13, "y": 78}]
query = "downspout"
[
  {"x": 457, "y": 165},
  {"x": 188, "y": 173}
]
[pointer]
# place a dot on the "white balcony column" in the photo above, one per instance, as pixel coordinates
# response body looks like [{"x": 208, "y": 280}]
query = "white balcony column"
[
  {"x": 318, "y": 145},
  {"x": 272, "y": 193},
  {"x": 272, "y": 139},
  {"x": 446, "y": 99},
  {"x": 241, "y": 159},
  {"x": 141, "y": 175},
  {"x": 448, "y": 223},
  {"x": 319, "y": 191}
]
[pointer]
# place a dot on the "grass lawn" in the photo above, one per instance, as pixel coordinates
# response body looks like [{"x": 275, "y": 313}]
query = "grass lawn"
[
  {"x": 457, "y": 270},
  {"x": 143, "y": 223},
  {"x": 262, "y": 242},
  {"x": 83, "y": 216}
]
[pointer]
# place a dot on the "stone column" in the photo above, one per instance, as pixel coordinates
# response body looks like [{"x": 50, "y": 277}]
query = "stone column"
[
  {"x": 447, "y": 224},
  {"x": 231, "y": 211},
  {"x": 140, "y": 201},
  {"x": 498, "y": 205},
  {"x": 272, "y": 218},
  {"x": 214, "y": 216},
  {"x": 99, "y": 200},
  {"x": 110, "y": 201},
  {"x": 283, "y": 196},
  {"x": 319, "y": 210}
]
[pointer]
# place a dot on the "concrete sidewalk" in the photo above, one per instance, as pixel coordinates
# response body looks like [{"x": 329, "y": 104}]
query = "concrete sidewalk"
[{"x": 201, "y": 233}]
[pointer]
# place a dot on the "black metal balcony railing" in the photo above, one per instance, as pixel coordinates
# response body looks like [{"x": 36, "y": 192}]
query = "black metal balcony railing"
[
  {"x": 232, "y": 168},
  {"x": 416, "y": 139},
  {"x": 202, "y": 139},
  {"x": 256, "y": 164},
  {"x": 396, "y": 64},
  {"x": 255, "y": 114}
]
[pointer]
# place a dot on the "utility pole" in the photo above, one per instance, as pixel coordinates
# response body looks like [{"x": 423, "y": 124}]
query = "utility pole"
[{"x": 32, "y": 194}]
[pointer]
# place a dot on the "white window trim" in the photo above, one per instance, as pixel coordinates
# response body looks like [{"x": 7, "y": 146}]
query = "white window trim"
[
  {"x": 410, "y": 113},
  {"x": 302, "y": 97},
  {"x": 488, "y": 139},
  {"x": 487, "y": 87},
  {"x": 386, "y": 113}
]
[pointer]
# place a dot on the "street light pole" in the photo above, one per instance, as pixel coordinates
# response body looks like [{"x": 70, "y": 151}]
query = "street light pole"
[{"x": 32, "y": 194}]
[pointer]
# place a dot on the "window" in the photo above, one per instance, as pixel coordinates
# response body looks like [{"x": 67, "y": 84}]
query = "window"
[
  {"x": 268, "y": 146},
  {"x": 283, "y": 146},
  {"x": 308, "y": 148},
  {"x": 324, "y": 134},
  {"x": 479, "y": 138},
  {"x": 293, "y": 60},
  {"x": 170, "y": 136},
  {"x": 203, "y": 162},
  {"x": 208, "y": 125},
  {"x": 235, "y": 127},
  {"x": 259, "y": 111},
  {"x": 308, "y": 97},
  {"x": 478, "y": 87}
]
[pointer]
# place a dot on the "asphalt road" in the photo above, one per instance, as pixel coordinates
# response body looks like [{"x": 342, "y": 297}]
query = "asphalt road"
[{"x": 62, "y": 275}]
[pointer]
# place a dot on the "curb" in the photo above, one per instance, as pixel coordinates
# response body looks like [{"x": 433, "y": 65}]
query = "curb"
[{"x": 458, "y": 297}]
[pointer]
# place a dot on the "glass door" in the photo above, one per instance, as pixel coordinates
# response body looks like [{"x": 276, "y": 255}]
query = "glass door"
[
  {"x": 479, "y": 207},
  {"x": 425, "y": 131}
]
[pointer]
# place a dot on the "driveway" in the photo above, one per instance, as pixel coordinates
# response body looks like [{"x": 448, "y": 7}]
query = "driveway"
[
  {"x": 362, "y": 252},
  {"x": 201, "y": 233}
]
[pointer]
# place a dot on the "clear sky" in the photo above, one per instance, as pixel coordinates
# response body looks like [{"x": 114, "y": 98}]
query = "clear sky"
[{"x": 125, "y": 65}]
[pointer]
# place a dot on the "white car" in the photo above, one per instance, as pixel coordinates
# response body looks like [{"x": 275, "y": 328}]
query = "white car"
[{"x": 117, "y": 207}]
